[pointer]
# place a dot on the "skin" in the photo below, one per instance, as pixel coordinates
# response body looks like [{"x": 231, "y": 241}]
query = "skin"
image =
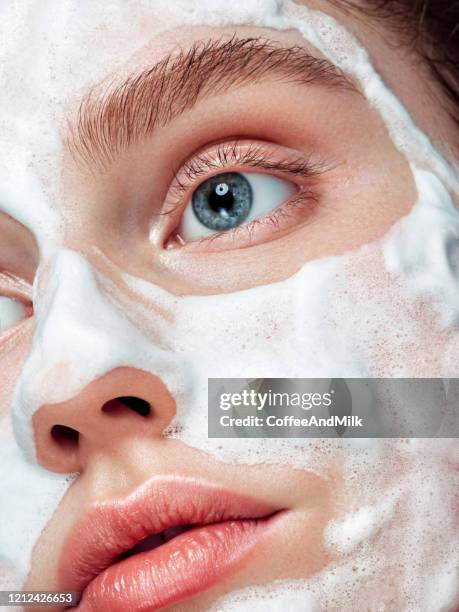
[{"x": 366, "y": 187}]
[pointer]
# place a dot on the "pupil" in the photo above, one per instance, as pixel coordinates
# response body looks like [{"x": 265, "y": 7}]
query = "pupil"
[{"x": 221, "y": 199}]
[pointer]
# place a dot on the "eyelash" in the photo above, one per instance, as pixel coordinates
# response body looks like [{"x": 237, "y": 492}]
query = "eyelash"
[{"x": 256, "y": 157}]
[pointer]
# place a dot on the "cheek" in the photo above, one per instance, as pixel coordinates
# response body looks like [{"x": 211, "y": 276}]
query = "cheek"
[
  {"x": 363, "y": 201},
  {"x": 399, "y": 336}
]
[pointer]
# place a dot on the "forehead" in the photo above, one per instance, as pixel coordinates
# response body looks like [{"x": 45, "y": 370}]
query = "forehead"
[{"x": 72, "y": 47}]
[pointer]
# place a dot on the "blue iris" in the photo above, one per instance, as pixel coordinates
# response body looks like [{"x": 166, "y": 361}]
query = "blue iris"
[{"x": 223, "y": 201}]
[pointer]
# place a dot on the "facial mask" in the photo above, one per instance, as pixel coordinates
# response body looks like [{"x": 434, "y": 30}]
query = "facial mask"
[{"x": 284, "y": 329}]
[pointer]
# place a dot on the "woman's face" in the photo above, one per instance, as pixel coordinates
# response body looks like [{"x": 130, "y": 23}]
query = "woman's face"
[{"x": 163, "y": 225}]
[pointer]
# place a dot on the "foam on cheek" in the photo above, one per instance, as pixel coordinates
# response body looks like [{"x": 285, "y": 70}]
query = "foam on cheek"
[
  {"x": 89, "y": 324},
  {"x": 385, "y": 555},
  {"x": 423, "y": 248},
  {"x": 307, "y": 325},
  {"x": 30, "y": 496}
]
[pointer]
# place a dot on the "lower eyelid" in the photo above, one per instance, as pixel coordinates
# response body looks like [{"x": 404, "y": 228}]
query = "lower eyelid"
[{"x": 300, "y": 206}]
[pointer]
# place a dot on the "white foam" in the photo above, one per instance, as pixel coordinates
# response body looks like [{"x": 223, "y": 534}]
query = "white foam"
[
  {"x": 345, "y": 534},
  {"x": 30, "y": 496},
  {"x": 392, "y": 556}
]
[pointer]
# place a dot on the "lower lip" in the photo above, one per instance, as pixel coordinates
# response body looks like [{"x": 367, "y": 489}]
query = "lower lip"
[{"x": 186, "y": 565}]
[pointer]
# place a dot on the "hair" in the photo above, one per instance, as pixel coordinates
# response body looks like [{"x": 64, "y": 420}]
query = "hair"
[{"x": 431, "y": 28}]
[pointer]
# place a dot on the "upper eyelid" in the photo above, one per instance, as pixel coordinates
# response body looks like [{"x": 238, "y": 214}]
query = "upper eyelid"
[{"x": 254, "y": 156}]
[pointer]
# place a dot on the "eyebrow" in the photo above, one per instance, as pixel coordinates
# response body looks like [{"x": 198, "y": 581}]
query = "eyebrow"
[{"x": 111, "y": 118}]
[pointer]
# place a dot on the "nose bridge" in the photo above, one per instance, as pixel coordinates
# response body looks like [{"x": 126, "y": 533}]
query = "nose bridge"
[{"x": 80, "y": 336}]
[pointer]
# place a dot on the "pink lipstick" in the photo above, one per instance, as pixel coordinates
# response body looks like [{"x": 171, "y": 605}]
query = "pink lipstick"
[{"x": 167, "y": 541}]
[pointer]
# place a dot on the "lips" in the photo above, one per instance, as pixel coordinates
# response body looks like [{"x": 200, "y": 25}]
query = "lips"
[{"x": 167, "y": 541}]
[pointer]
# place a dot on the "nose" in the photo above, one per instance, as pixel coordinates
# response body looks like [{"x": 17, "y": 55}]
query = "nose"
[{"x": 124, "y": 403}]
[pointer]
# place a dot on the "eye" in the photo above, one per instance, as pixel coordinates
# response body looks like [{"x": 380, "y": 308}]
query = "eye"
[
  {"x": 230, "y": 199},
  {"x": 11, "y": 312}
]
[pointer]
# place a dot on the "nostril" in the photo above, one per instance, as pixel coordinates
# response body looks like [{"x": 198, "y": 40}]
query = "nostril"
[
  {"x": 137, "y": 404},
  {"x": 118, "y": 404},
  {"x": 66, "y": 437}
]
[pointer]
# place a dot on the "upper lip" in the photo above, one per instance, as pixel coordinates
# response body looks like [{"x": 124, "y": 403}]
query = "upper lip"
[{"x": 113, "y": 527}]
